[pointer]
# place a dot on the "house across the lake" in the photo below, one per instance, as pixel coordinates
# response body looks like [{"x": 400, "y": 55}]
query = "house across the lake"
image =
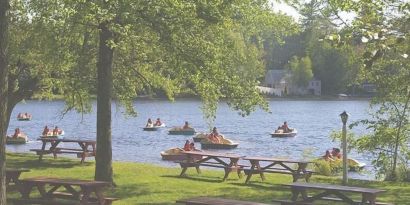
[{"x": 277, "y": 83}]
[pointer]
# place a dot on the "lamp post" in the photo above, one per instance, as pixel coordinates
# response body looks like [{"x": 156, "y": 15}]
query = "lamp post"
[{"x": 344, "y": 117}]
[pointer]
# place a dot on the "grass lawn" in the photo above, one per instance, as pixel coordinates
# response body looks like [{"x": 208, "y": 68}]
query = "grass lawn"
[{"x": 139, "y": 183}]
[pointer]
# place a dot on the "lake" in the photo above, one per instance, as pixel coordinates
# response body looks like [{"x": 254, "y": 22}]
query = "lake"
[{"x": 314, "y": 120}]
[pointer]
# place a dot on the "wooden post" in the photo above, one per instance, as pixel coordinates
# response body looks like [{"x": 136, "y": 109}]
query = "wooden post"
[{"x": 344, "y": 117}]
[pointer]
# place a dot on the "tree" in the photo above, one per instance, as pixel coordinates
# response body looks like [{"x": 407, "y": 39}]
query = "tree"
[
  {"x": 381, "y": 29},
  {"x": 334, "y": 67},
  {"x": 301, "y": 71},
  {"x": 4, "y": 20},
  {"x": 213, "y": 49}
]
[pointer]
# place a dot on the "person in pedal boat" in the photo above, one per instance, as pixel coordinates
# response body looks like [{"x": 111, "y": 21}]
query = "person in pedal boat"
[
  {"x": 56, "y": 131},
  {"x": 192, "y": 147},
  {"x": 328, "y": 156},
  {"x": 186, "y": 126},
  {"x": 285, "y": 127},
  {"x": 158, "y": 122},
  {"x": 45, "y": 131},
  {"x": 187, "y": 146},
  {"x": 336, "y": 153},
  {"x": 17, "y": 133},
  {"x": 26, "y": 115},
  {"x": 149, "y": 123},
  {"x": 214, "y": 136}
]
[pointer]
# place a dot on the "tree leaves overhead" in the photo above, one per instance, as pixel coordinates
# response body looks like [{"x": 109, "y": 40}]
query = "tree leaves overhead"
[
  {"x": 214, "y": 48},
  {"x": 381, "y": 32}
]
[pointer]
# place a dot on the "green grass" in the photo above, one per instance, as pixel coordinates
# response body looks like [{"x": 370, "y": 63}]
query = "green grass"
[{"x": 139, "y": 183}]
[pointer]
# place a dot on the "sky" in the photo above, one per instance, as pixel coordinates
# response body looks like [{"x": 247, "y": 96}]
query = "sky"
[
  {"x": 284, "y": 8},
  {"x": 290, "y": 11}
]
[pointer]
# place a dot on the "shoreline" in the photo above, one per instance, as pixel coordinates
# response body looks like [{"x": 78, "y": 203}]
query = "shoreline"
[{"x": 268, "y": 98}]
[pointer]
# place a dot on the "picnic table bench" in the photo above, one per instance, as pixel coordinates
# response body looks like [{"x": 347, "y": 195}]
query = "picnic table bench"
[
  {"x": 13, "y": 174},
  {"x": 79, "y": 192},
  {"x": 277, "y": 165},
  {"x": 215, "y": 201},
  {"x": 211, "y": 159},
  {"x": 87, "y": 148},
  {"x": 326, "y": 190}
]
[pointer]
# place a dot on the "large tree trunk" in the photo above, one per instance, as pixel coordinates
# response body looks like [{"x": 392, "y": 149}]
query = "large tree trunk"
[
  {"x": 4, "y": 7},
  {"x": 103, "y": 167}
]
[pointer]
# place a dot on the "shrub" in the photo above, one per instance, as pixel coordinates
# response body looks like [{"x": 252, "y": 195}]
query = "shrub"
[{"x": 328, "y": 168}]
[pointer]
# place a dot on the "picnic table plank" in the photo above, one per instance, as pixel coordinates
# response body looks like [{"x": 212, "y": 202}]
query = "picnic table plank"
[
  {"x": 368, "y": 195},
  {"x": 13, "y": 174},
  {"x": 275, "y": 159},
  {"x": 277, "y": 165},
  {"x": 54, "y": 149},
  {"x": 48, "y": 186},
  {"x": 66, "y": 140},
  {"x": 335, "y": 187},
  {"x": 231, "y": 166},
  {"x": 214, "y": 154},
  {"x": 64, "y": 181},
  {"x": 215, "y": 201}
]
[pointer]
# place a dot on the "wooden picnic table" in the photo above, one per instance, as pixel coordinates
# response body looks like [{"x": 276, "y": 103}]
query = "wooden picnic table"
[
  {"x": 87, "y": 148},
  {"x": 368, "y": 195},
  {"x": 78, "y": 191},
  {"x": 203, "y": 200},
  {"x": 211, "y": 159},
  {"x": 13, "y": 174},
  {"x": 277, "y": 165}
]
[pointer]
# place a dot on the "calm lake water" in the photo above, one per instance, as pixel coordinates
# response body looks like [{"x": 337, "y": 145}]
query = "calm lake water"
[{"x": 314, "y": 121}]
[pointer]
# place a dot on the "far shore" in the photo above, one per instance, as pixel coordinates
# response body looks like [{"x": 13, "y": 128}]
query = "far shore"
[{"x": 269, "y": 98}]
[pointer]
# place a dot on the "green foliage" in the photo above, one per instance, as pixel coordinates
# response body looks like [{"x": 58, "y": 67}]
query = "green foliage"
[
  {"x": 336, "y": 68},
  {"x": 328, "y": 168},
  {"x": 301, "y": 71},
  {"x": 212, "y": 49},
  {"x": 381, "y": 30},
  {"x": 350, "y": 137}
]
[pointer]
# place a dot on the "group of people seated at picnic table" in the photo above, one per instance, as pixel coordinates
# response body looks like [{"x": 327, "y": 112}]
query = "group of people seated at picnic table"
[
  {"x": 23, "y": 115},
  {"x": 151, "y": 124},
  {"x": 332, "y": 155},
  {"x": 56, "y": 131},
  {"x": 214, "y": 136},
  {"x": 190, "y": 146}
]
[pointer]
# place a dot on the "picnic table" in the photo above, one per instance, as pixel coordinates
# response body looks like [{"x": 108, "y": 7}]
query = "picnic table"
[
  {"x": 76, "y": 191},
  {"x": 229, "y": 162},
  {"x": 277, "y": 165},
  {"x": 13, "y": 174},
  {"x": 325, "y": 190},
  {"x": 203, "y": 200},
  {"x": 87, "y": 148}
]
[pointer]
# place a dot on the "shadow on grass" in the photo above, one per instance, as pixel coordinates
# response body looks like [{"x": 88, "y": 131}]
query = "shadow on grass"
[
  {"x": 270, "y": 193},
  {"x": 31, "y": 161},
  {"x": 260, "y": 185},
  {"x": 196, "y": 178},
  {"x": 130, "y": 191}
]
